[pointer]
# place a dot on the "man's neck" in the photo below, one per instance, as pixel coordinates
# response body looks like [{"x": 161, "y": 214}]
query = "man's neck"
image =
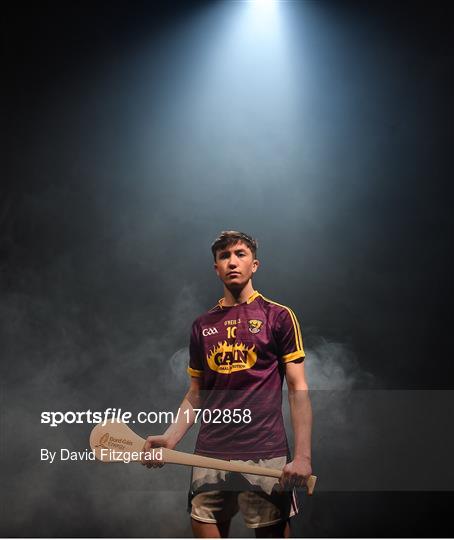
[{"x": 234, "y": 297}]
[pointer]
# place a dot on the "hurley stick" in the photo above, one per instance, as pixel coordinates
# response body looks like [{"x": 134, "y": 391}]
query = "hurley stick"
[{"x": 114, "y": 441}]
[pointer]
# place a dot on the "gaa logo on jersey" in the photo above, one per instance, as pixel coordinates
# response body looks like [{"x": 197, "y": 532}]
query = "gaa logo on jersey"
[
  {"x": 210, "y": 331},
  {"x": 254, "y": 326}
]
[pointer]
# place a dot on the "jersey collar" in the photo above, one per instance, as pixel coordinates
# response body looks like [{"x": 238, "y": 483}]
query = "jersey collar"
[{"x": 248, "y": 301}]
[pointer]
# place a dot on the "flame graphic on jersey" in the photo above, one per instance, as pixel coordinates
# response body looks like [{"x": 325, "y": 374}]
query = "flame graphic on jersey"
[{"x": 229, "y": 357}]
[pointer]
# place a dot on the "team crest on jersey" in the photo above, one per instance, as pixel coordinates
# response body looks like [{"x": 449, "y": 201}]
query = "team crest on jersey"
[
  {"x": 254, "y": 326},
  {"x": 227, "y": 358}
]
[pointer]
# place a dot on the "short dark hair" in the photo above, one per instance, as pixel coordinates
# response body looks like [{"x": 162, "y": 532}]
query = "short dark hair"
[{"x": 229, "y": 238}]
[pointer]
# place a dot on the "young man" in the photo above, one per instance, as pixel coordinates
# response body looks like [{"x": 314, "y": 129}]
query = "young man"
[{"x": 240, "y": 352}]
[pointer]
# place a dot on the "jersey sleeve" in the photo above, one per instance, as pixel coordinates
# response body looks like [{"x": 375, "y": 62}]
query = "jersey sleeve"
[
  {"x": 289, "y": 338},
  {"x": 195, "y": 368}
]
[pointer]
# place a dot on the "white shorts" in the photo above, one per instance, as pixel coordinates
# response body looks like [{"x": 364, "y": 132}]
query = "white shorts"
[{"x": 216, "y": 496}]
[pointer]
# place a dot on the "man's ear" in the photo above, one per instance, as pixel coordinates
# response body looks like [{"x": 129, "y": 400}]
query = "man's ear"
[
  {"x": 215, "y": 266},
  {"x": 255, "y": 265}
]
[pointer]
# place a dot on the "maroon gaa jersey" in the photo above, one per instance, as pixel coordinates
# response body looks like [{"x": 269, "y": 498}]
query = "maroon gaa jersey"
[{"x": 239, "y": 352}]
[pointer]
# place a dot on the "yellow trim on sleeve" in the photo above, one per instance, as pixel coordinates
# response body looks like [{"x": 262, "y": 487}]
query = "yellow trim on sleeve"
[
  {"x": 293, "y": 356},
  {"x": 195, "y": 372},
  {"x": 296, "y": 326}
]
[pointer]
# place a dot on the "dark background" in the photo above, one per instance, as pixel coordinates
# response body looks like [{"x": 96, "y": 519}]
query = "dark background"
[{"x": 133, "y": 132}]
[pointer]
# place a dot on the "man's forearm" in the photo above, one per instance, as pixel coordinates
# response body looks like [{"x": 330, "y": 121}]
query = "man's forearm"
[
  {"x": 301, "y": 415},
  {"x": 186, "y": 418}
]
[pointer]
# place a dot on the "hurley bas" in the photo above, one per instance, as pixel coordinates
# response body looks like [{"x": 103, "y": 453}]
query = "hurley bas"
[{"x": 106, "y": 454}]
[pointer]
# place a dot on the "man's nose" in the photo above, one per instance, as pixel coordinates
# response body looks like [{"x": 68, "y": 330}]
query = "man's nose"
[{"x": 232, "y": 262}]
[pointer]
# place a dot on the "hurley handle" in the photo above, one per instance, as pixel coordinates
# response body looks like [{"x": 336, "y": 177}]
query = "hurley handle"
[
  {"x": 182, "y": 458},
  {"x": 110, "y": 441}
]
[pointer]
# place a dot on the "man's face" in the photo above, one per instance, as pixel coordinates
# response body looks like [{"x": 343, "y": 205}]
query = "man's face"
[{"x": 235, "y": 265}]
